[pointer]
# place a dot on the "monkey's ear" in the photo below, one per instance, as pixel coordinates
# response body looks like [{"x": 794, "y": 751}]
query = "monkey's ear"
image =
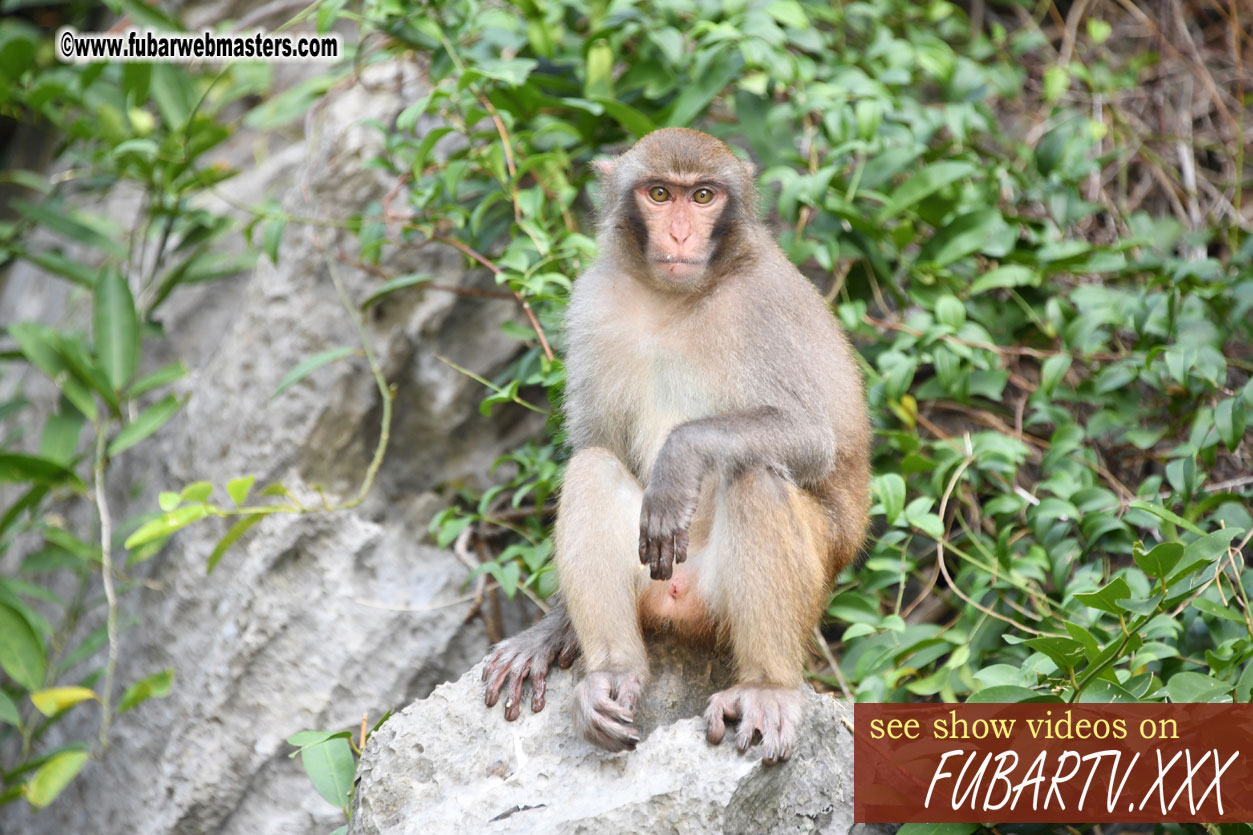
[
  {"x": 605, "y": 167},
  {"x": 749, "y": 168}
]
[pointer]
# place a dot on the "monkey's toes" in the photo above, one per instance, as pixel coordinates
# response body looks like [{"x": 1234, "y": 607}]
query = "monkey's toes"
[
  {"x": 765, "y": 713},
  {"x": 605, "y": 703}
]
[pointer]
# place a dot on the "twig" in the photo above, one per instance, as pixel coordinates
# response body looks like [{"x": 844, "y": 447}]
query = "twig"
[
  {"x": 526, "y": 307},
  {"x": 106, "y": 573},
  {"x": 385, "y": 392},
  {"x": 503, "y": 295},
  {"x": 835, "y": 668}
]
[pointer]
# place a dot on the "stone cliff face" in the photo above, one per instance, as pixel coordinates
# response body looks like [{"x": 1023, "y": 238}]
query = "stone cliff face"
[
  {"x": 312, "y": 620},
  {"x": 448, "y": 764}
]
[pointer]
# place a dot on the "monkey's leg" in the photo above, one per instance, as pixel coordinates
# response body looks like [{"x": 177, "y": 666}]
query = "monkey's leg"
[
  {"x": 596, "y": 552},
  {"x": 765, "y": 581},
  {"x": 528, "y": 656}
]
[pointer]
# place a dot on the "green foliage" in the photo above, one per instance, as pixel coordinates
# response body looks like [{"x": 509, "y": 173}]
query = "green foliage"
[
  {"x": 1062, "y": 410},
  {"x": 148, "y": 127},
  {"x": 1058, "y": 373}
]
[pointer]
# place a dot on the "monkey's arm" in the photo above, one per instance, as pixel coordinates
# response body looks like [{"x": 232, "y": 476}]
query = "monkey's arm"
[
  {"x": 797, "y": 446},
  {"x": 530, "y": 655}
]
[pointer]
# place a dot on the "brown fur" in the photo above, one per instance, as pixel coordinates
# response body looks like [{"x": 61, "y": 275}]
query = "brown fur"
[{"x": 720, "y": 436}]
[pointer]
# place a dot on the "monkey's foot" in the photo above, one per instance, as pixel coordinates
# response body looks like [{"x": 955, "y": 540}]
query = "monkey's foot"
[
  {"x": 604, "y": 707},
  {"x": 766, "y": 712},
  {"x": 529, "y": 656}
]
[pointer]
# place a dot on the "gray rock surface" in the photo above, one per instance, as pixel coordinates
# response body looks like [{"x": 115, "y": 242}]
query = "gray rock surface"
[
  {"x": 449, "y": 764},
  {"x": 312, "y": 620}
]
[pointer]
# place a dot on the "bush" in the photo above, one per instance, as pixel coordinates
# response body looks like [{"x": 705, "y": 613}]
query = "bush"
[{"x": 1051, "y": 301}]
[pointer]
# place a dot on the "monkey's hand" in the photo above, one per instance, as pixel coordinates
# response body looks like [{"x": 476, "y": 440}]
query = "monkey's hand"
[
  {"x": 529, "y": 655},
  {"x": 669, "y": 504},
  {"x": 764, "y": 711}
]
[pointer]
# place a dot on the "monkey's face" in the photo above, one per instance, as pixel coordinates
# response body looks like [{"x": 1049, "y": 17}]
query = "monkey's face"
[{"x": 681, "y": 221}]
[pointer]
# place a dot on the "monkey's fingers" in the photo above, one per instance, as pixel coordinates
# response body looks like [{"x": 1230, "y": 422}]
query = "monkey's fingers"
[
  {"x": 513, "y": 703},
  {"x": 751, "y": 723},
  {"x": 723, "y": 707},
  {"x": 666, "y": 550},
  {"x": 539, "y": 687},
  {"x": 568, "y": 655},
  {"x": 498, "y": 672},
  {"x": 680, "y": 545}
]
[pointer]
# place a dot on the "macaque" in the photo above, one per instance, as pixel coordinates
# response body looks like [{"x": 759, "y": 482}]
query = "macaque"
[{"x": 720, "y": 471}]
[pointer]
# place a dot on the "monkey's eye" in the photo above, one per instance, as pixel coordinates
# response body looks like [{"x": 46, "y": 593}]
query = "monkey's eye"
[
  {"x": 659, "y": 194},
  {"x": 703, "y": 195}
]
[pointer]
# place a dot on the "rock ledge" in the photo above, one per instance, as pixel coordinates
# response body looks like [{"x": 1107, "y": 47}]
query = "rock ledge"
[{"x": 446, "y": 763}]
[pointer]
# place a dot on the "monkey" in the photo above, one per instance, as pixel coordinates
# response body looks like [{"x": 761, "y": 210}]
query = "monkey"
[{"x": 719, "y": 476}]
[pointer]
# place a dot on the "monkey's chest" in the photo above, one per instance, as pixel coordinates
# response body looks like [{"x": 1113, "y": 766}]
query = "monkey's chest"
[{"x": 653, "y": 390}]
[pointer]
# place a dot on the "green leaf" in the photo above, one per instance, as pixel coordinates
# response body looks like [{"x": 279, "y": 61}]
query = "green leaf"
[
  {"x": 1161, "y": 560},
  {"x": 72, "y": 224},
  {"x": 53, "y": 776},
  {"x": 330, "y": 766},
  {"x": 53, "y": 700},
  {"x": 1209, "y": 607},
  {"x": 155, "y": 686},
  {"x": 1230, "y": 419},
  {"x": 789, "y": 13},
  {"x": 304, "y": 739},
  {"x": 890, "y": 488},
  {"x": 1010, "y": 275},
  {"x": 308, "y": 366},
  {"x": 1244, "y": 685},
  {"x": 18, "y": 468},
  {"x": 197, "y": 491},
  {"x": 162, "y": 376},
  {"x": 1162, "y": 513},
  {"x": 273, "y": 237},
  {"x": 1002, "y": 693},
  {"x": 1052, "y": 370},
  {"x": 950, "y": 311},
  {"x": 399, "y": 283},
  {"x": 115, "y": 325},
  {"x": 59, "y": 440},
  {"x": 168, "y": 500},
  {"x": 8, "y": 711},
  {"x": 148, "y": 421},
  {"x": 694, "y": 96},
  {"x": 1106, "y": 598},
  {"x": 855, "y": 607},
  {"x": 1195, "y": 687},
  {"x": 976, "y": 231},
  {"x": 230, "y": 538},
  {"x": 937, "y": 829},
  {"x": 57, "y": 264},
  {"x": 1066, "y": 653},
  {"x": 632, "y": 120},
  {"x": 237, "y": 488},
  {"x": 916, "y": 514},
  {"x": 1056, "y": 82},
  {"x": 923, "y": 184},
  {"x": 167, "y": 524},
  {"x": 21, "y": 651},
  {"x": 40, "y": 345},
  {"x": 598, "y": 78},
  {"x": 1201, "y": 552},
  {"x": 1098, "y": 30}
]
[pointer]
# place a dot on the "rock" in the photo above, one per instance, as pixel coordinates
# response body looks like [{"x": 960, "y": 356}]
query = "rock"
[
  {"x": 313, "y": 619},
  {"x": 449, "y": 764}
]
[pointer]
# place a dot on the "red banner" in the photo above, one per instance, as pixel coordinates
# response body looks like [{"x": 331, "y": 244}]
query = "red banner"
[{"x": 1053, "y": 763}]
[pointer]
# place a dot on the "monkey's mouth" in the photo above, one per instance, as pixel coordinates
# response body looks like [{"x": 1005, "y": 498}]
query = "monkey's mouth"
[{"x": 679, "y": 259}]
